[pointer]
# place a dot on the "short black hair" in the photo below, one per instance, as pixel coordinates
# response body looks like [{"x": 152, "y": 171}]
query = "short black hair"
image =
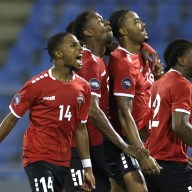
[
  {"x": 174, "y": 50},
  {"x": 69, "y": 27},
  {"x": 54, "y": 42},
  {"x": 79, "y": 24},
  {"x": 116, "y": 20}
]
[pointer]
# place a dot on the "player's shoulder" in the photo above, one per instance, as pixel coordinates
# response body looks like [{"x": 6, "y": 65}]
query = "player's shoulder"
[
  {"x": 117, "y": 56},
  {"x": 119, "y": 53},
  {"x": 81, "y": 80},
  {"x": 88, "y": 56},
  {"x": 38, "y": 78}
]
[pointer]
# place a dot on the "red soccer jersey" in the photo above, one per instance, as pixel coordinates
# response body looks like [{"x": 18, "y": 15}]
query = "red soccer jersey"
[
  {"x": 94, "y": 70},
  {"x": 129, "y": 77},
  {"x": 171, "y": 93},
  {"x": 55, "y": 108}
]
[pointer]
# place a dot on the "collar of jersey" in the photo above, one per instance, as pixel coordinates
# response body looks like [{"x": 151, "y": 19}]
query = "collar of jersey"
[
  {"x": 51, "y": 76},
  {"x": 177, "y": 72},
  {"x": 119, "y": 47}
]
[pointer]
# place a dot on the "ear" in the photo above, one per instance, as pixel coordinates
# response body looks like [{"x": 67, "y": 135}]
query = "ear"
[
  {"x": 88, "y": 33},
  {"x": 122, "y": 31},
  {"x": 181, "y": 61},
  {"x": 58, "y": 54}
]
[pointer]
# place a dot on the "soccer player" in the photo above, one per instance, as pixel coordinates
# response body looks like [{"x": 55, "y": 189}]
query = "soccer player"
[
  {"x": 171, "y": 130},
  {"x": 95, "y": 33},
  {"x": 130, "y": 81},
  {"x": 58, "y": 101}
]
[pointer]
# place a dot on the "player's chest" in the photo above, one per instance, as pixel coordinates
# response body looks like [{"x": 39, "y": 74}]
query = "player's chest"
[{"x": 63, "y": 95}]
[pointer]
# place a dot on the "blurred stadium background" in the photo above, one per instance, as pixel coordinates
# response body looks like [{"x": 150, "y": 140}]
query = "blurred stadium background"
[{"x": 25, "y": 28}]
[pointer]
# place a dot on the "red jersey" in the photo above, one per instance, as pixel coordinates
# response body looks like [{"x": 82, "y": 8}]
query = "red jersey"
[
  {"x": 55, "y": 108},
  {"x": 130, "y": 77},
  {"x": 94, "y": 70},
  {"x": 169, "y": 94}
]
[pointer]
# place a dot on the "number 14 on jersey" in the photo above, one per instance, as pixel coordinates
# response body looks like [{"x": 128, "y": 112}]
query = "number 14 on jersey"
[{"x": 64, "y": 112}]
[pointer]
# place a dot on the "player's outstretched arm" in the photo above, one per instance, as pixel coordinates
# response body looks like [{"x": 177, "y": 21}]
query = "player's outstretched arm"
[
  {"x": 7, "y": 125},
  {"x": 82, "y": 144},
  {"x": 101, "y": 122}
]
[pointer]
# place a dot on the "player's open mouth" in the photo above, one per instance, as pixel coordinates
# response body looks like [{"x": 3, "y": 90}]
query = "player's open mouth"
[
  {"x": 79, "y": 58},
  {"x": 143, "y": 30}
]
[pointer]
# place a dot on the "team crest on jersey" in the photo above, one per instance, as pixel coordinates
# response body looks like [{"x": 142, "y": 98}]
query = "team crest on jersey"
[
  {"x": 80, "y": 99},
  {"x": 16, "y": 99},
  {"x": 94, "y": 84},
  {"x": 126, "y": 83}
]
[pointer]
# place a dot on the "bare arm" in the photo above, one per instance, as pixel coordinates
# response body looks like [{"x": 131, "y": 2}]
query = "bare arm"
[
  {"x": 127, "y": 121},
  {"x": 182, "y": 127},
  {"x": 82, "y": 141},
  {"x": 149, "y": 165},
  {"x": 101, "y": 122},
  {"x": 82, "y": 145},
  {"x": 7, "y": 125}
]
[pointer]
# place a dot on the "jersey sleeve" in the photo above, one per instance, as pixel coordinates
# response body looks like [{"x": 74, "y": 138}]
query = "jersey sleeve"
[
  {"x": 182, "y": 98},
  {"x": 124, "y": 78},
  {"x": 92, "y": 74},
  {"x": 22, "y": 101},
  {"x": 83, "y": 114}
]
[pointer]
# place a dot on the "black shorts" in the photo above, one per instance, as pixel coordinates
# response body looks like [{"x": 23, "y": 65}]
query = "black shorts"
[
  {"x": 175, "y": 177},
  {"x": 74, "y": 181},
  {"x": 119, "y": 163},
  {"x": 44, "y": 176}
]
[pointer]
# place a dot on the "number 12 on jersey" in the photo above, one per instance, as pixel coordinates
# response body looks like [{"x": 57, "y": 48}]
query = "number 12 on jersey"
[
  {"x": 65, "y": 113},
  {"x": 156, "y": 106}
]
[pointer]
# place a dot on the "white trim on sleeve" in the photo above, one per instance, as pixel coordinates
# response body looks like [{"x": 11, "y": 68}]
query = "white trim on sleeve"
[
  {"x": 96, "y": 94},
  {"x": 123, "y": 94},
  {"x": 183, "y": 111},
  {"x": 83, "y": 121},
  {"x": 14, "y": 112}
]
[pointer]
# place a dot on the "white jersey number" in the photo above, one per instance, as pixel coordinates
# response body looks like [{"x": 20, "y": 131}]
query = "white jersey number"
[
  {"x": 77, "y": 177},
  {"x": 67, "y": 112},
  {"x": 46, "y": 186},
  {"x": 156, "y": 105}
]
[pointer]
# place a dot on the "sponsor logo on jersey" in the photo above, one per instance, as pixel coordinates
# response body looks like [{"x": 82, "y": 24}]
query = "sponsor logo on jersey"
[
  {"x": 16, "y": 99},
  {"x": 80, "y": 99},
  {"x": 51, "y": 98},
  {"x": 94, "y": 84},
  {"x": 126, "y": 83}
]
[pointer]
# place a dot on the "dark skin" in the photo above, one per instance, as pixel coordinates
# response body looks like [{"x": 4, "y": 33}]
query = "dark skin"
[
  {"x": 66, "y": 59},
  {"x": 180, "y": 121},
  {"x": 97, "y": 35},
  {"x": 131, "y": 36}
]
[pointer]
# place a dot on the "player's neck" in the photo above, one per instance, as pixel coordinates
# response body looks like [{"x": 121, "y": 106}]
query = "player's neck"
[
  {"x": 65, "y": 75},
  {"x": 96, "y": 49},
  {"x": 129, "y": 46}
]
